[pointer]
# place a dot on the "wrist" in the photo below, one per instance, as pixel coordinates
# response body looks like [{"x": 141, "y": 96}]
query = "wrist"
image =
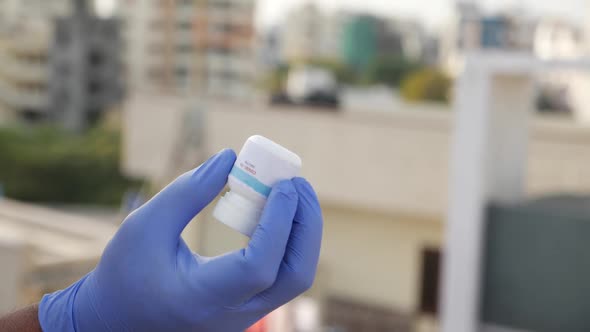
[
  {"x": 89, "y": 312},
  {"x": 23, "y": 320},
  {"x": 56, "y": 310}
]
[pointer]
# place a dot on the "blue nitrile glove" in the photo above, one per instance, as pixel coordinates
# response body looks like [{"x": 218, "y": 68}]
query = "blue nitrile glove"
[{"x": 149, "y": 280}]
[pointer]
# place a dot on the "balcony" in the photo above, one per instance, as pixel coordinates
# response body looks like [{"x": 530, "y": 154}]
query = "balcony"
[
  {"x": 23, "y": 99},
  {"x": 229, "y": 62},
  {"x": 19, "y": 70}
]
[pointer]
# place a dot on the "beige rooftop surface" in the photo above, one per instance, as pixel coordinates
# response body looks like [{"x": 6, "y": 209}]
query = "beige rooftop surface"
[{"x": 53, "y": 237}]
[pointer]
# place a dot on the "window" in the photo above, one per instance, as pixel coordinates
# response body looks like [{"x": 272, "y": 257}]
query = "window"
[
  {"x": 63, "y": 96},
  {"x": 221, "y": 27},
  {"x": 430, "y": 281},
  {"x": 181, "y": 72},
  {"x": 94, "y": 87},
  {"x": 157, "y": 24},
  {"x": 156, "y": 48},
  {"x": 184, "y": 25},
  {"x": 221, "y": 4},
  {"x": 164, "y": 3},
  {"x": 156, "y": 73},
  {"x": 184, "y": 48},
  {"x": 63, "y": 35},
  {"x": 95, "y": 59}
]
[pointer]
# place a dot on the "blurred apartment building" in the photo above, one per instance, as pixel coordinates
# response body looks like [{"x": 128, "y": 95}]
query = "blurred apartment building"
[
  {"x": 16, "y": 11},
  {"x": 185, "y": 46},
  {"x": 367, "y": 38},
  {"x": 546, "y": 37},
  {"x": 268, "y": 45},
  {"x": 560, "y": 40},
  {"x": 309, "y": 33},
  {"x": 472, "y": 29},
  {"x": 159, "y": 43},
  {"x": 353, "y": 38},
  {"x": 42, "y": 251},
  {"x": 86, "y": 67},
  {"x": 416, "y": 43},
  {"x": 549, "y": 39},
  {"x": 25, "y": 41},
  {"x": 24, "y": 71},
  {"x": 61, "y": 62}
]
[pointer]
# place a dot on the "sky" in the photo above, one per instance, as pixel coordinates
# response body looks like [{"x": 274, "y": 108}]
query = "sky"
[
  {"x": 433, "y": 13},
  {"x": 105, "y": 7}
]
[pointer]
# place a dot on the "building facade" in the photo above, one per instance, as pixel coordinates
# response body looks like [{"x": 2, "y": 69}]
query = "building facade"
[
  {"x": 473, "y": 29},
  {"x": 182, "y": 46},
  {"x": 158, "y": 44},
  {"x": 15, "y": 11},
  {"x": 60, "y": 62},
  {"x": 557, "y": 40},
  {"x": 224, "y": 38},
  {"x": 85, "y": 74},
  {"x": 299, "y": 36},
  {"x": 25, "y": 41},
  {"x": 309, "y": 33},
  {"x": 362, "y": 39},
  {"x": 24, "y": 73}
]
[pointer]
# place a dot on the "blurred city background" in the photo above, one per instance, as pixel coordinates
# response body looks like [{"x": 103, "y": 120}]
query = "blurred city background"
[{"x": 448, "y": 140}]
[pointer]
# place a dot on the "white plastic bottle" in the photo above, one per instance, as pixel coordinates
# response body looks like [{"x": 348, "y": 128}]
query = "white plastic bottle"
[{"x": 260, "y": 165}]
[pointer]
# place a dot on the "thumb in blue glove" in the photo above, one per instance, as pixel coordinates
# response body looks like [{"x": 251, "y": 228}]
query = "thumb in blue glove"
[{"x": 149, "y": 280}]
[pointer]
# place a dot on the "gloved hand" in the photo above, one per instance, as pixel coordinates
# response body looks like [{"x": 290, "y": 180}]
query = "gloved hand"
[{"x": 149, "y": 280}]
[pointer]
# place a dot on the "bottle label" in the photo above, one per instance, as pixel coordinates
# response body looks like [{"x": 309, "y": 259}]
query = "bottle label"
[
  {"x": 259, "y": 168},
  {"x": 251, "y": 181}
]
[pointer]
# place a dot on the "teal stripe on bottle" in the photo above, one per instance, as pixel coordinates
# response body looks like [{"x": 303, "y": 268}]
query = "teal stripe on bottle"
[{"x": 251, "y": 181}]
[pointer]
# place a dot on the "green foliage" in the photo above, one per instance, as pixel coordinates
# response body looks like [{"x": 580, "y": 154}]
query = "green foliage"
[
  {"x": 340, "y": 70},
  {"x": 428, "y": 84},
  {"x": 276, "y": 81},
  {"x": 390, "y": 71},
  {"x": 48, "y": 165}
]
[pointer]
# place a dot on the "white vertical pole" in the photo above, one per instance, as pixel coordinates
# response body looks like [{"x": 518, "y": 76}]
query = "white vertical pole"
[{"x": 488, "y": 162}]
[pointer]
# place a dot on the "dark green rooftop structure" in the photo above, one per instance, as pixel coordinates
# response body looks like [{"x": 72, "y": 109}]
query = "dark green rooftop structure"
[
  {"x": 537, "y": 265},
  {"x": 359, "y": 42}
]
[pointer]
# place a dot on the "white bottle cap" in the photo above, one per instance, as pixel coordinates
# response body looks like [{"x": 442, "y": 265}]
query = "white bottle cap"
[{"x": 238, "y": 213}]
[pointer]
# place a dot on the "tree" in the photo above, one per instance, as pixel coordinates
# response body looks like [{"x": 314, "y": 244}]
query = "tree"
[
  {"x": 42, "y": 164},
  {"x": 427, "y": 84},
  {"x": 390, "y": 70},
  {"x": 341, "y": 71},
  {"x": 276, "y": 79}
]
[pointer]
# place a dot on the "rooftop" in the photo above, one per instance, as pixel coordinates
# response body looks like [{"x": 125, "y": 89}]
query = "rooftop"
[
  {"x": 393, "y": 162},
  {"x": 53, "y": 237}
]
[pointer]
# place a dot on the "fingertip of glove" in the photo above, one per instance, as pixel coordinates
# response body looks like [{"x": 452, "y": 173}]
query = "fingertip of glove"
[
  {"x": 307, "y": 195},
  {"x": 286, "y": 189},
  {"x": 223, "y": 160},
  {"x": 304, "y": 188},
  {"x": 226, "y": 155},
  {"x": 302, "y": 183}
]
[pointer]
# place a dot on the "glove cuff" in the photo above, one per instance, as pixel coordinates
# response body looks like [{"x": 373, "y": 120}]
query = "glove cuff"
[{"x": 56, "y": 310}]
